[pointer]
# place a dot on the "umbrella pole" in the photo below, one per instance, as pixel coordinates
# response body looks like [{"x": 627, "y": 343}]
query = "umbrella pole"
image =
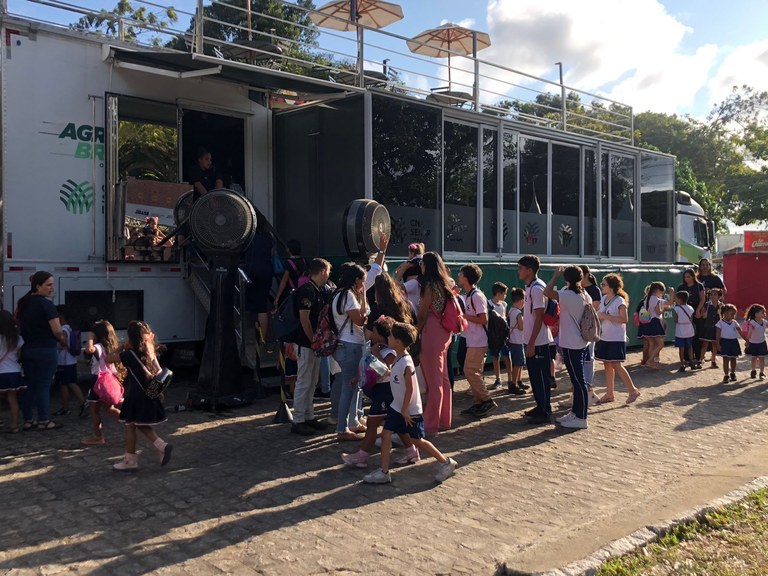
[
  {"x": 449, "y": 67},
  {"x": 476, "y": 86},
  {"x": 360, "y": 67}
]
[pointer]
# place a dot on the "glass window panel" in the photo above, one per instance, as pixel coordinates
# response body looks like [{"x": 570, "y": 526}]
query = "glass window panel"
[
  {"x": 605, "y": 205},
  {"x": 460, "y": 187},
  {"x": 406, "y": 171},
  {"x": 622, "y": 206},
  {"x": 490, "y": 190},
  {"x": 590, "y": 203},
  {"x": 566, "y": 184},
  {"x": 657, "y": 208},
  {"x": 509, "y": 192},
  {"x": 533, "y": 196}
]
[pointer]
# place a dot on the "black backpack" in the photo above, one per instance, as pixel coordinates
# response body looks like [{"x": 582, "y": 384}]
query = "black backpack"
[{"x": 497, "y": 329}]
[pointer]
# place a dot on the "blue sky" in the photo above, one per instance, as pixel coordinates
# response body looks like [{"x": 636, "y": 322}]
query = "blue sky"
[{"x": 673, "y": 56}]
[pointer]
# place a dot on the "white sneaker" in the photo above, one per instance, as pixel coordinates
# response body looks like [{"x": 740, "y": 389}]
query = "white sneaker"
[
  {"x": 565, "y": 418},
  {"x": 594, "y": 399},
  {"x": 446, "y": 470},
  {"x": 565, "y": 404},
  {"x": 357, "y": 460},
  {"x": 409, "y": 456},
  {"x": 395, "y": 441},
  {"x": 575, "y": 422},
  {"x": 377, "y": 477}
]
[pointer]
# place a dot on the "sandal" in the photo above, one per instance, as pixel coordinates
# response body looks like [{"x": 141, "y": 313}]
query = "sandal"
[
  {"x": 606, "y": 399},
  {"x": 93, "y": 441},
  {"x": 348, "y": 437},
  {"x": 633, "y": 396},
  {"x": 29, "y": 426},
  {"x": 14, "y": 430},
  {"x": 48, "y": 425}
]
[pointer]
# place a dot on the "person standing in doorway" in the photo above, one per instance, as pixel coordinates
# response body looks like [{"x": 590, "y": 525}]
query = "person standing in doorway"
[{"x": 203, "y": 176}]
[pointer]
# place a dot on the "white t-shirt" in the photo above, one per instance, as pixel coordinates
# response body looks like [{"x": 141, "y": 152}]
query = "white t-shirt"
[
  {"x": 385, "y": 352},
  {"x": 397, "y": 383},
  {"x": 350, "y": 332},
  {"x": 65, "y": 358},
  {"x": 571, "y": 310},
  {"x": 684, "y": 327},
  {"x": 515, "y": 335},
  {"x": 728, "y": 330},
  {"x": 98, "y": 361},
  {"x": 757, "y": 336},
  {"x": 10, "y": 359},
  {"x": 653, "y": 302},
  {"x": 612, "y": 331},
  {"x": 534, "y": 300},
  {"x": 413, "y": 291},
  {"x": 370, "y": 276},
  {"x": 475, "y": 334}
]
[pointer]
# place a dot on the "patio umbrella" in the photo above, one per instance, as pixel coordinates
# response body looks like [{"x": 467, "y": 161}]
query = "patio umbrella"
[
  {"x": 345, "y": 14},
  {"x": 447, "y": 39},
  {"x": 342, "y": 14}
]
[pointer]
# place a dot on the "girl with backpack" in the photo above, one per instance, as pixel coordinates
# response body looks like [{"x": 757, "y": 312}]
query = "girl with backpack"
[
  {"x": 654, "y": 304},
  {"x": 350, "y": 311},
  {"x": 572, "y": 301},
  {"x": 11, "y": 382},
  {"x": 102, "y": 343},
  {"x": 139, "y": 412},
  {"x": 295, "y": 273}
]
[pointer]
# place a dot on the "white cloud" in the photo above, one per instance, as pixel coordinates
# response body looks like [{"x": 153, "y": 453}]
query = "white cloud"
[
  {"x": 628, "y": 51},
  {"x": 746, "y": 64}
]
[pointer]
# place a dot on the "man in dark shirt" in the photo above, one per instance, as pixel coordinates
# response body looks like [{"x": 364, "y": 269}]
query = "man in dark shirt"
[
  {"x": 309, "y": 300},
  {"x": 203, "y": 175}
]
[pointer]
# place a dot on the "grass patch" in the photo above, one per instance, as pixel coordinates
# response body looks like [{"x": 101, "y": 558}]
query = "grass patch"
[{"x": 729, "y": 541}]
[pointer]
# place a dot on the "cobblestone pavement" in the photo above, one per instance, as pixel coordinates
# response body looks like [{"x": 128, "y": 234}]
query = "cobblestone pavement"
[{"x": 244, "y": 496}]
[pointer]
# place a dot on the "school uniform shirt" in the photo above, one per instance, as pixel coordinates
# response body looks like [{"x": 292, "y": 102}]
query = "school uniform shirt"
[
  {"x": 684, "y": 327},
  {"x": 413, "y": 291},
  {"x": 653, "y": 302},
  {"x": 397, "y": 383},
  {"x": 728, "y": 330},
  {"x": 10, "y": 361},
  {"x": 612, "y": 331},
  {"x": 65, "y": 358},
  {"x": 98, "y": 363},
  {"x": 571, "y": 310},
  {"x": 385, "y": 352},
  {"x": 757, "y": 336},
  {"x": 515, "y": 335},
  {"x": 350, "y": 332},
  {"x": 534, "y": 300},
  {"x": 475, "y": 334}
]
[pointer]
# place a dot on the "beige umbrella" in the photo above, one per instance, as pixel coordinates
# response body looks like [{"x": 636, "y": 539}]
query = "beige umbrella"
[
  {"x": 342, "y": 14},
  {"x": 447, "y": 40},
  {"x": 349, "y": 14}
]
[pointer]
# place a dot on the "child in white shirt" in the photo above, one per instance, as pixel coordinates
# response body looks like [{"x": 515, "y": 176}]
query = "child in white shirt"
[
  {"x": 727, "y": 330},
  {"x": 684, "y": 329},
  {"x": 756, "y": 345},
  {"x": 405, "y": 413}
]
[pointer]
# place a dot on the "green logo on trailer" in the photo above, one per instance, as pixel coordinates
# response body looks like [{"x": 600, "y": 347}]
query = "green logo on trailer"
[{"x": 77, "y": 197}]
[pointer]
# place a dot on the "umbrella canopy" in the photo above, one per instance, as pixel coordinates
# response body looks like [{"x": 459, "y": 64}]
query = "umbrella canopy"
[
  {"x": 337, "y": 15},
  {"x": 447, "y": 39}
]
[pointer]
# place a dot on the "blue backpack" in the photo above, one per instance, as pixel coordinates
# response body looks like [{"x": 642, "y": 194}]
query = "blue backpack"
[{"x": 75, "y": 343}]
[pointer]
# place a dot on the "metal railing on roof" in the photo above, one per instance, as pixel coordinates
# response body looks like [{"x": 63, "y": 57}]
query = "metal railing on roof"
[{"x": 287, "y": 41}]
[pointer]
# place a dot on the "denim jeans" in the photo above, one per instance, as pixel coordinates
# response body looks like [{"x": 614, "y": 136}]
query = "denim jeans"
[
  {"x": 539, "y": 374},
  {"x": 39, "y": 368},
  {"x": 348, "y": 356},
  {"x": 325, "y": 374}
]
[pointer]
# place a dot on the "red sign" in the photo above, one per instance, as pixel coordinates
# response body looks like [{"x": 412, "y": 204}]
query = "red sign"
[{"x": 756, "y": 241}]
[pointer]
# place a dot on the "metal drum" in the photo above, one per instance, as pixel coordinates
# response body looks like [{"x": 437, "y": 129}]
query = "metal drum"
[
  {"x": 183, "y": 207},
  {"x": 364, "y": 223}
]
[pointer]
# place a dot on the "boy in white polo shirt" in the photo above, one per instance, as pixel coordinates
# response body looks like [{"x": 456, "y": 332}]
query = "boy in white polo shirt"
[{"x": 537, "y": 339}]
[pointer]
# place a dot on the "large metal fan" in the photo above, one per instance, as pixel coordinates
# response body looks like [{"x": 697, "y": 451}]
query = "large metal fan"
[
  {"x": 222, "y": 223},
  {"x": 364, "y": 223},
  {"x": 183, "y": 207}
]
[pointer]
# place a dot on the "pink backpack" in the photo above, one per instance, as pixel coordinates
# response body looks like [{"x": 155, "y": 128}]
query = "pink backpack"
[
  {"x": 452, "y": 318},
  {"x": 108, "y": 388}
]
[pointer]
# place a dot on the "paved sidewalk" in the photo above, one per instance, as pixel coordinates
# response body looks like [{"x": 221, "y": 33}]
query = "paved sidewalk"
[{"x": 243, "y": 496}]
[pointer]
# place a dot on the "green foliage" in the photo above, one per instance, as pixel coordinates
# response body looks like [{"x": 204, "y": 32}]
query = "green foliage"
[
  {"x": 148, "y": 151},
  {"x": 127, "y": 22}
]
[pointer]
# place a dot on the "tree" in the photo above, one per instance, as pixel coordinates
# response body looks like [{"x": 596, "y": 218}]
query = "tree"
[{"x": 127, "y": 22}]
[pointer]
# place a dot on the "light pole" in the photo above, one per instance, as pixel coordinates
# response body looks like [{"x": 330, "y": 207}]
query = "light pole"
[{"x": 562, "y": 95}]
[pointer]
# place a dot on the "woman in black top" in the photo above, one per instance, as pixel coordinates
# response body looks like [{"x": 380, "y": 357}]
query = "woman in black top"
[
  {"x": 41, "y": 330},
  {"x": 709, "y": 279},
  {"x": 696, "y": 300}
]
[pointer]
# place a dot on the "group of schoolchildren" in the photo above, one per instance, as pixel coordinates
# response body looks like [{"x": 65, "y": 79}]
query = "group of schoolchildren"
[
  {"x": 719, "y": 331},
  {"x": 134, "y": 363}
]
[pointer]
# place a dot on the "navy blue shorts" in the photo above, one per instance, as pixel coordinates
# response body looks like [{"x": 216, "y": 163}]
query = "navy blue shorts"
[
  {"x": 66, "y": 375},
  {"x": 381, "y": 398},
  {"x": 517, "y": 351},
  {"x": 611, "y": 351},
  {"x": 396, "y": 423},
  {"x": 729, "y": 348},
  {"x": 683, "y": 342},
  {"x": 503, "y": 353},
  {"x": 758, "y": 350}
]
